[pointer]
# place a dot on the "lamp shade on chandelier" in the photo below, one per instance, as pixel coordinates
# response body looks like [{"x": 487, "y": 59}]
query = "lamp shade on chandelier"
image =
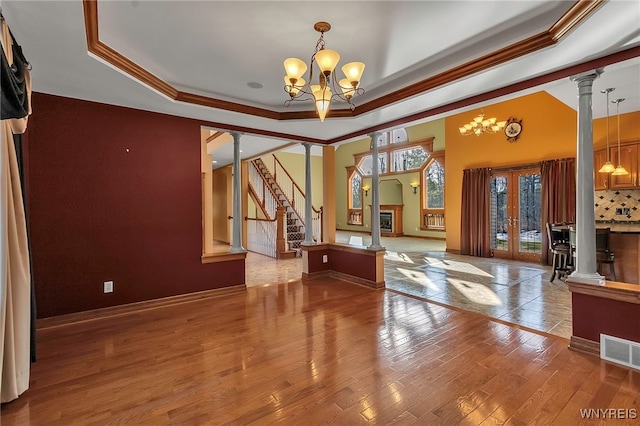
[
  {"x": 607, "y": 167},
  {"x": 480, "y": 125},
  {"x": 320, "y": 91}
]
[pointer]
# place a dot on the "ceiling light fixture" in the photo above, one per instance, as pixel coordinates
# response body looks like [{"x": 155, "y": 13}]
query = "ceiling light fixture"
[
  {"x": 480, "y": 125},
  {"x": 619, "y": 171},
  {"x": 325, "y": 60},
  {"x": 607, "y": 167}
]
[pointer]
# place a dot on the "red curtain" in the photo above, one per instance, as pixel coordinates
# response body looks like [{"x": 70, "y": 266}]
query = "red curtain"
[
  {"x": 558, "y": 196},
  {"x": 476, "y": 209}
]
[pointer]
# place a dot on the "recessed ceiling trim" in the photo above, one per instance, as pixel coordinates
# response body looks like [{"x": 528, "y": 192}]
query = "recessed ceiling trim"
[
  {"x": 634, "y": 52},
  {"x": 580, "y": 11}
]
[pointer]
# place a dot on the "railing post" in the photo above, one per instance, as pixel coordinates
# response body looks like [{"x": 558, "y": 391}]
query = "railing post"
[
  {"x": 321, "y": 226},
  {"x": 281, "y": 242}
]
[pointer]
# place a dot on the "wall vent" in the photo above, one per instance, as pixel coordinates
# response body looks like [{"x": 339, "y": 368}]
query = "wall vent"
[{"x": 620, "y": 351}]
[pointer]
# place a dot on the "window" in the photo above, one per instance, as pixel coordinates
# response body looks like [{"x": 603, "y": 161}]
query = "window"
[
  {"x": 395, "y": 154},
  {"x": 355, "y": 197},
  {"x": 434, "y": 185},
  {"x": 432, "y": 193},
  {"x": 356, "y": 191},
  {"x": 399, "y": 136},
  {"x": 408, "y": 159},
  {"x": 366, "y": 167}
]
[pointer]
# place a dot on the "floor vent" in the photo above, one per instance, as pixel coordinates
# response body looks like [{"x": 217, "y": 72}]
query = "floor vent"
[{"x": 620, "y": 351}]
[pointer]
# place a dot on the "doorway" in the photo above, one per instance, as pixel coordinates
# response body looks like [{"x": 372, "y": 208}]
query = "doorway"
[{"x": 516, "y": 227}]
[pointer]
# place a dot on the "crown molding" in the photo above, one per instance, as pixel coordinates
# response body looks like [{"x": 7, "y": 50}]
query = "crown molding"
[{"x": 578, "y": 13}]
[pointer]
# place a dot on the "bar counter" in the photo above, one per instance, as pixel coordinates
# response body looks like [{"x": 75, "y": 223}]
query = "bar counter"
[{"x": 625, "y": 244}]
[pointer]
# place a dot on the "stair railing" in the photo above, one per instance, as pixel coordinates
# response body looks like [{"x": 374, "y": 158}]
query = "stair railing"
[
  {"x": 267, "y": 199},
  {"x": 295, "y": 196},
  {"x": 265, "y": 235},
  {"x": 261, "y": 236}
]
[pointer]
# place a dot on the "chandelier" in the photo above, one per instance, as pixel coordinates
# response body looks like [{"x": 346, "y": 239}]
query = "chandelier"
[
  {"x": 607, "y": 167},
  {"x": 326, "y": 89},
  {"x": 619, "y": 171},
  {"x": 480, "y": 125}
]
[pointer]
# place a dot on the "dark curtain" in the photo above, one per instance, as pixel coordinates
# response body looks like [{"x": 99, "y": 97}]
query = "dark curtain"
[
  {"x": 558, "y": 179},
  {"x": 475, "y": 229}
]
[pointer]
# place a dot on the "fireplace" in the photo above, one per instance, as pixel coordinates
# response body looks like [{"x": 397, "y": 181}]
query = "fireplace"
[
  {"x": 391, "y": 220},
  {"x": 386, "y": 221}
]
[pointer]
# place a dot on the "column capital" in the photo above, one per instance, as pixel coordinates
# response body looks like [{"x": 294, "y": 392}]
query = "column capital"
[
  {"x": 374, "y": 137},
  {"x": 236, "y": 135},
  {"x": 586, "y": 77}
]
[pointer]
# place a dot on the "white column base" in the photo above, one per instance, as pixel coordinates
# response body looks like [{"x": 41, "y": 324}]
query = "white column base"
[
  {"x": 237, "y": 250},
  {"x": 308, "y": 243},
  {"x": 579, "y": 277},
  {"x": 376, "y": 247}
]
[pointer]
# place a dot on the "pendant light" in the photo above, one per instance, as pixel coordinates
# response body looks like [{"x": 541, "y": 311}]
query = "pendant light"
[
  {"x": 620, "y": 171},
  {"x": 607, "y": 167}
]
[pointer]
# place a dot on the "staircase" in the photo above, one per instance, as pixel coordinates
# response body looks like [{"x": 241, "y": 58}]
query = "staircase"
[{"x": 295, "y": 227}]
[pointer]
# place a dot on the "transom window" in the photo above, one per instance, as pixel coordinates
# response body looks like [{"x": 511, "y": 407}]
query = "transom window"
[
  {"x": 408, "y": 159},
  {"x": 395, "y": 154}
]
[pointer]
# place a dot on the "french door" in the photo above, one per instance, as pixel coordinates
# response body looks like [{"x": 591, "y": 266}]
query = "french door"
[{"x": 515, "y": 214}]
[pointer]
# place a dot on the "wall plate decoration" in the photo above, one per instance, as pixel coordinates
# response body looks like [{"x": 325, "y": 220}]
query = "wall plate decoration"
[{"x": 513, "y": 129}]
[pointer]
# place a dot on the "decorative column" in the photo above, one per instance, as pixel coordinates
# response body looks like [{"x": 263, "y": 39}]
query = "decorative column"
[
  {"x": 375, "y": 194},
  {"x": 308, "y": 207},
  {"x": 236, "y": 237},
  {"x": 586, "y": 270}
]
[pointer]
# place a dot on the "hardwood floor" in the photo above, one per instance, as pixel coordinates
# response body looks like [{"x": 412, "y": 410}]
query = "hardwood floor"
[
  {"x": 515, "y": 292},
  {"x": 317, "y": 352}
]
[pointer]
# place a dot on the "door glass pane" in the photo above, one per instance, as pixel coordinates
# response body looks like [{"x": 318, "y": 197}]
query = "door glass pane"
[
  {"x": 529, "y": 190},
  {"x": 499, "y": 237}
]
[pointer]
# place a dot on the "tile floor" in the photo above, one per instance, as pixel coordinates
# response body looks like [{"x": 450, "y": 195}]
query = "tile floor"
[{"x": 514, "y": 292}]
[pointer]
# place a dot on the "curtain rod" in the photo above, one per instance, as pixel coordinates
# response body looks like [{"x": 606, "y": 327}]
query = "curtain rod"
[{"x": 526, "y": 166}]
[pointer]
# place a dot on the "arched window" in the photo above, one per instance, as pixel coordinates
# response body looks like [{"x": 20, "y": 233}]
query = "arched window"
[
  {"x": 355, "y": 197},
  {"x": 432, "y": 194}
]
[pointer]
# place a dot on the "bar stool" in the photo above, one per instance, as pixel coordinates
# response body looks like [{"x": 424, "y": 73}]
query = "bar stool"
[
  {"x": 604, "y": 255},
  {"x": 561, "y": 250}
]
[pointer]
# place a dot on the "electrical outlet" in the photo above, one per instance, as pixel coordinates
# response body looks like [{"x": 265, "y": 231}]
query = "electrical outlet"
[
  {"x": 325, "y": 258},
  {"x": 108, "y": 286}
]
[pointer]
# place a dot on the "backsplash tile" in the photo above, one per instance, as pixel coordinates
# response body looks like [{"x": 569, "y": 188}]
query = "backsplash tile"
[{"x": 618, "y": 205}]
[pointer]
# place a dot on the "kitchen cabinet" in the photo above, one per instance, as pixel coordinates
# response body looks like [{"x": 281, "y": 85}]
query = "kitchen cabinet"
[{"x": 629, "y": 160}]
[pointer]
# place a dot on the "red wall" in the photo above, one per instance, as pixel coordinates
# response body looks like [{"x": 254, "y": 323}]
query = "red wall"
[
  {"x": 361, "y": 265},
  {"x": 593, "y": 315},
  {"x": 115, "y": 194}
]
